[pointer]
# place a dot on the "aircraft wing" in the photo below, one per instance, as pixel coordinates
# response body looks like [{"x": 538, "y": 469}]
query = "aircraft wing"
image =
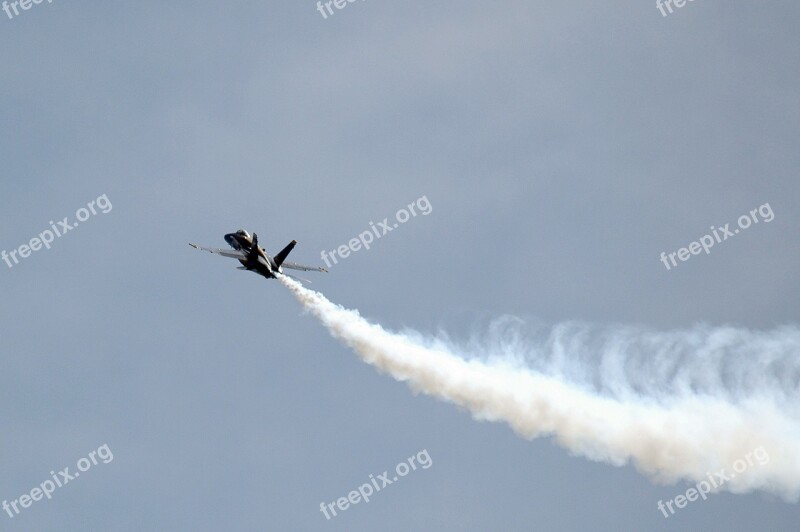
[
  {"x": 294, "y": 266},
  {"x": 232, "y": 253}
]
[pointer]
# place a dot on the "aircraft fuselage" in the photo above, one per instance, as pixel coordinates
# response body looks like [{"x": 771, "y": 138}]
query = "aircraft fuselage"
[{"x": 244, "y": 242}]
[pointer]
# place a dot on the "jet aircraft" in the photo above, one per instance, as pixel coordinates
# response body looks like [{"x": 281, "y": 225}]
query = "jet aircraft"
[{"x": 253, "y": 258}]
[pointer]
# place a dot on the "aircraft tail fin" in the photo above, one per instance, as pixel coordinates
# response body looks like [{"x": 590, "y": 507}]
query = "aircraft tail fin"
[{"x": 280, "y": 257}]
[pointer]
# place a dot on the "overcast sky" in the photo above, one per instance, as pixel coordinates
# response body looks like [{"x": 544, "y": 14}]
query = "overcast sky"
[{"x": 562, "y": 147}]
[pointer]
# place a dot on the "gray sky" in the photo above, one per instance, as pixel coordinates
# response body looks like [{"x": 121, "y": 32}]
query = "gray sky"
[{"x": 563, "y": 147}]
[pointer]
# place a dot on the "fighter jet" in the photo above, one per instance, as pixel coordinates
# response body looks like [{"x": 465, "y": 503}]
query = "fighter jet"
[{"x": 253, "y": 258}]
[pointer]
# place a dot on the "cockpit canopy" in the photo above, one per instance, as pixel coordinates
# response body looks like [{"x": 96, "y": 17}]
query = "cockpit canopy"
[{"x": 242, "y": 232}]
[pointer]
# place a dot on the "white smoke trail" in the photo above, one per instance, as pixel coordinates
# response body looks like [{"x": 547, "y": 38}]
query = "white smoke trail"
[{"x": 678, "y": 405}]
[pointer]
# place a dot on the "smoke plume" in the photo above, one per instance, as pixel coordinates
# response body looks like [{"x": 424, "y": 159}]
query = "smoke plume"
[{"x": 678, "y": 405}]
